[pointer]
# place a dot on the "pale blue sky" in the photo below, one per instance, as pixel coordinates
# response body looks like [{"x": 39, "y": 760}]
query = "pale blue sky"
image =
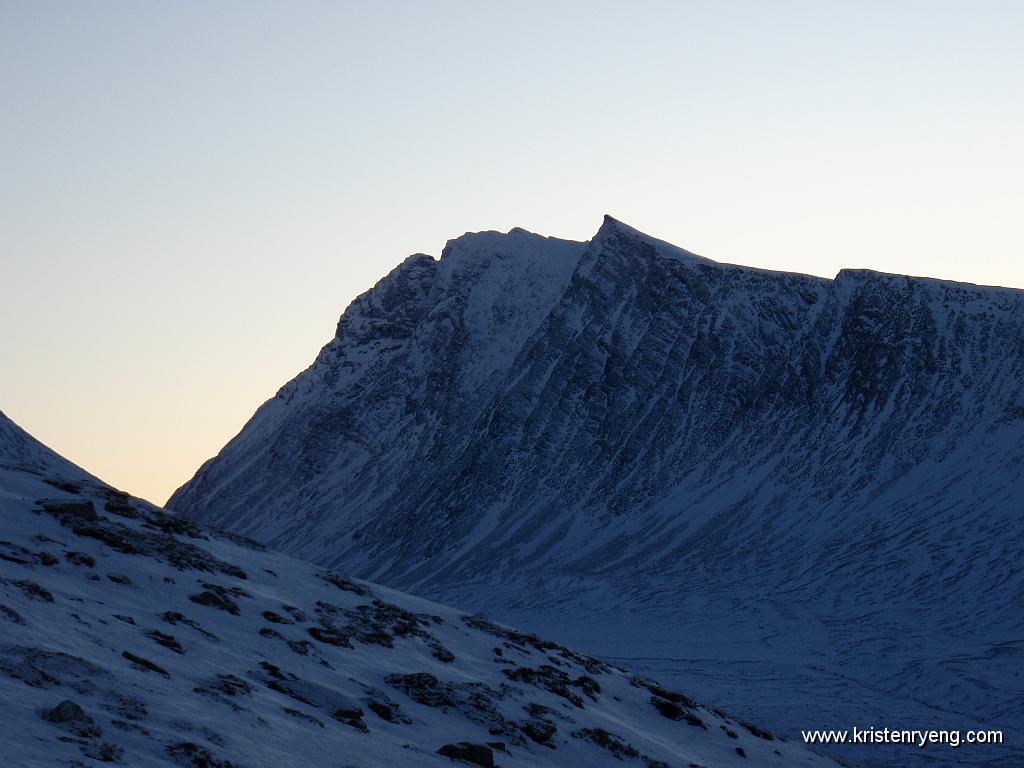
[{"x": 192, "y": 192}]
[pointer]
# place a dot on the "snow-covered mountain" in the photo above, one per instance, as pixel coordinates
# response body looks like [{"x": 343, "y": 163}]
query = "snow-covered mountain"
[
  {"x": 799, "y": 495},
  {"x": 132, "y": 636}
]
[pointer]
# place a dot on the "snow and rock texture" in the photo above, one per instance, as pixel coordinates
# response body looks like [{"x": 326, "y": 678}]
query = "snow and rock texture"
[
  {"x": 797, "y": 494},
  {"x": 131, "y": 636},
  {"x": 19, "y": 451}
]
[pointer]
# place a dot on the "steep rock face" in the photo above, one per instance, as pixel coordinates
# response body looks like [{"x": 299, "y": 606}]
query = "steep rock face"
[{"x": 578, "y": 432}]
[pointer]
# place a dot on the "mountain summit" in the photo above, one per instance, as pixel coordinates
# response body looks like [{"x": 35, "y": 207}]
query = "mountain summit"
[{"x": 671, "y": 458}]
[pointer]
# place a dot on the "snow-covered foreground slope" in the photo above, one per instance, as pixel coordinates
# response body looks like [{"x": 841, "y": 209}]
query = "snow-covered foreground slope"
[
  {"x": 132, "y": 636},
  {"x": 812, "y": 487}
]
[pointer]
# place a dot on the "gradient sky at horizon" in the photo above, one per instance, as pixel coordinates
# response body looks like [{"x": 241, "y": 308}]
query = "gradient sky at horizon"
[{"x": 192, "y": 192}]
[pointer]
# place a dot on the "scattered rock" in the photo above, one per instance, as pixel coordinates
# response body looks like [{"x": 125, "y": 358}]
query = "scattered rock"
[
  {"x": 130, "y": 708},
  {"x": 330, "y": 636},
  {"x": 343, "y": 583},
  {"x": 540, "y": 731},
  {"x": 423, "y": 688},
  {"x": 83, "y": 510},
  {"x": 521, "y": 640},
  {"x": 220, "y": 589},
  {"x": 351, "y": 717},
  {"x": 78, "y": 558},
  {"x": 760, "y": 733},
  {"x": 674, "y": 696},
  {"x": 63, "y": 485},
  {"x": 276, "y": 618},
  {"x": 537, "y": 710},
  {"x": 180, "y": 526},
  {"x": 441, "y": 653},
  {"x": 235, "y": 538},
  {"x": 167, "y": 641},
  {"x": 173, "y": 617},
  {"x": 674, "y": 711},
  {"x": 475, "y": 700},
  {"x": 191, "y": 755},
  {"x": 228, "y": 684},
  {"x": 300, "y": 647},
  {"x": 31, "y": 589},
  {"x": 42, "y": 669},
  {"x": 225, "y": 688},
  {"x": 14, "y": 553},
  {"x": 214, "y": 600},
  {"x": 294, "y": 612},
  {"x": 557, "y": 681},
  {"x": 11, "y": 615},
  {"x": 134, "y": 541},
  {"x": 146, "y": 664},
  {"x": 276, "y": 672},
  {"x": 303, "y": 716},
  {"x": 608, "y": 741},
  {"x": 45, "y": 558},
  {"x": 120, "y": 506},
  {"x": 105, "y": 752},
  {"x": 386, "y": 709}
]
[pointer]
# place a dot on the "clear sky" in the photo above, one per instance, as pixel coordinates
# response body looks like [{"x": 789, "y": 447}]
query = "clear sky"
[{"x": 192, "y": 192}]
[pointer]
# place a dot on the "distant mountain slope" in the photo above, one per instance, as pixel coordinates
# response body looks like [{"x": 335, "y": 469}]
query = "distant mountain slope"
[
  {"x": 20, "y": 451},
  {"x": 572, "y": 433},
  {"x": 131, "y": 636}
]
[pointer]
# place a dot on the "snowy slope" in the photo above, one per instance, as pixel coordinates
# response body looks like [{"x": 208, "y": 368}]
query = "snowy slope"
[
  {"x": 811, "y": 487},
  {"x": 177, "y": 646},
  {"x": 20, "y": 451}
]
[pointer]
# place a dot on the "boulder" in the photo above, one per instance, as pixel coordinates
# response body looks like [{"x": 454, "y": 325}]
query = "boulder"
[
  {"x": 477, "y": 754},
  {"x": 68, "y": 711}
]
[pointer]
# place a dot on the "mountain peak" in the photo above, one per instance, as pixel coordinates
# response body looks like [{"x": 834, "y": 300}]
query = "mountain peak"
[
  {"x": 615, "y": 231},
  {"x": 611, "y": 227}
]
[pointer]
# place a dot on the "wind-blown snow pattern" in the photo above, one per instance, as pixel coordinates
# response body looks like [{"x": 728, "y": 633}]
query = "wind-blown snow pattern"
[
  {"x": 135, "y": 637},
  {"x": 797, "y": 495}
]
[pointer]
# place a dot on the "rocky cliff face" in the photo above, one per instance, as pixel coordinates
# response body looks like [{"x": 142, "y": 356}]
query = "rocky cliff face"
[{"x": 582, "y": 432}]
